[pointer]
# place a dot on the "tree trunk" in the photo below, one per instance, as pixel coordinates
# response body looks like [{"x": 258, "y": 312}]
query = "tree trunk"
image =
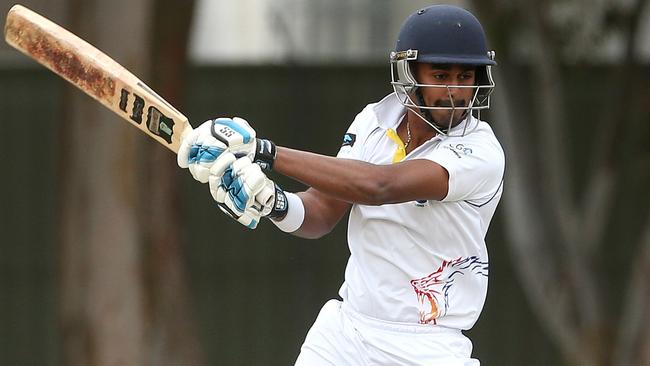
[
  {"x": 122, "y": 302},
  {"x": 174, "y": 337}
]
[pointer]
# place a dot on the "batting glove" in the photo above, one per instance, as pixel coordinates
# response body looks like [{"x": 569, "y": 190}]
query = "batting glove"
[
  {"x": 237, "y": 185},
  {"x": 243, "y": 191},
  {"x": 240, "y": 139},
  {"x": 199, "y": 150}
]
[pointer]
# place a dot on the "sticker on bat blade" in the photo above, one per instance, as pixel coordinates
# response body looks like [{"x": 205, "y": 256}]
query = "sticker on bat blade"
[
  {"x": 159, "y": 124},
  {"x": 138, "y": 106}
]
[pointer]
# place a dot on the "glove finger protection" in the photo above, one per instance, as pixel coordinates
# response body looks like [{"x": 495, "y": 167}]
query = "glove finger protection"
[
  {"x": 182, "y": 156},
  {"x": 219, "y": 185},
  {"x": 270, "y": 201},
  {"x": 185, "y": 156},
  {"x": 250, "y": 218},
  {"x": 238, "y": 185},
  {"x": 234, "y": 191},
  {"x": 222, "y": 164},
  {"x": 221, "y": 176},
  {"x": 199, "y": 150},
  {"x": 208, "y": 150},
  {"x": 265, "y": 199}
]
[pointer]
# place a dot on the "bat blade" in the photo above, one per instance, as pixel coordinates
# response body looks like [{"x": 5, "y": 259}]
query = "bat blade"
[{"x": 96, "y": 74}]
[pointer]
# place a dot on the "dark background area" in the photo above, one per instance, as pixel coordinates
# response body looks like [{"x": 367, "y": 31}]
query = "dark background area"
[{"x": 254, "y": 293}]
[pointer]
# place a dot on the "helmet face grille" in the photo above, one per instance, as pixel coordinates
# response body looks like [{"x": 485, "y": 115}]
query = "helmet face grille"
[
  {"x": 442, "y": 34},
  {"x": 406, "y": 88}
]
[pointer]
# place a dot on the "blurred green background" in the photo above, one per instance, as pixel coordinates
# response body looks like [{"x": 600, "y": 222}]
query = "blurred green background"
[{"x": 571, "y": 292}]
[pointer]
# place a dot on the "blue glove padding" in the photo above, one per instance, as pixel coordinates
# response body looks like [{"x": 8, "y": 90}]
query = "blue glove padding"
[
  {"x": 241, "y": 189},
  {"x": 199, "y": 150}
]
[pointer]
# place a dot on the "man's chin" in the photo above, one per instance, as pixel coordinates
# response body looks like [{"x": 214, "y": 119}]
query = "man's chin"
[{"x": 447, "y": 121}]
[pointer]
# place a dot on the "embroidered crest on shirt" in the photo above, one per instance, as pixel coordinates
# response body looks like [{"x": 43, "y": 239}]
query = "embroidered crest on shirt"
[
  {"x": 432, "y": 291},
  {"x": 349, "y": 139}
]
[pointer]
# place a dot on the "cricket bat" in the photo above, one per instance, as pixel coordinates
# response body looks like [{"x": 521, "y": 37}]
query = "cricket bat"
[{"x": 95, "y": 74}]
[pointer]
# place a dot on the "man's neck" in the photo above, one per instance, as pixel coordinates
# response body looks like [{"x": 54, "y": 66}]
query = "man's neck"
[{"x": 420, "y": 130}]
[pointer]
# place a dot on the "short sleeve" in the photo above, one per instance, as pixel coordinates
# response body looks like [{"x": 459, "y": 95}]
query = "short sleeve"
[{"x": 475, "y": 165}]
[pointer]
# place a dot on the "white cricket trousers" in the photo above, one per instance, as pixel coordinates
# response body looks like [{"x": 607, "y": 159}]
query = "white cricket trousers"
[{"x": 343, "y": 337}]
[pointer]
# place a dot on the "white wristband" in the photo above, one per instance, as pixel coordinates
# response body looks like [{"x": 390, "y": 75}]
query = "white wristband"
[{"x": 295, "y": 214}]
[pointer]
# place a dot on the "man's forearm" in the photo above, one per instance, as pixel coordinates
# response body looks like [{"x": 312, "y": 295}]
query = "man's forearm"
[{"x": 344, "y": 179}]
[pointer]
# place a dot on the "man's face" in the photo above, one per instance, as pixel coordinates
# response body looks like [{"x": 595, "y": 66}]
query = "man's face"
[{"x": 452, "y": 76}]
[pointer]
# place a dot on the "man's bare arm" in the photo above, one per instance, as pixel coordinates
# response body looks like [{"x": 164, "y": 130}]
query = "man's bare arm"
[
  {"x": 322, "y": 213},
  {"x": 355, "y": 181}
]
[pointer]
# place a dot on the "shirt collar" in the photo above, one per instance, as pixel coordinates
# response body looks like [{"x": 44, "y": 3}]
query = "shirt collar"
[{"x": 389, "y": 112}]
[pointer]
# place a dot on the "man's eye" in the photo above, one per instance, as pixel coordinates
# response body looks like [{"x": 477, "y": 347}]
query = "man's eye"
[{"x": 439, "y": 76}]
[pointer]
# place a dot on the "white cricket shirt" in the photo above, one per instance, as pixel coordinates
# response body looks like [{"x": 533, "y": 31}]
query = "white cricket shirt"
[{"x": 423, "y": 261}]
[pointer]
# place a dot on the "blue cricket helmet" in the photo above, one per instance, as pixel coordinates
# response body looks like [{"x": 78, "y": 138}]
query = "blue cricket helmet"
[{"x": 445, "y": 34}]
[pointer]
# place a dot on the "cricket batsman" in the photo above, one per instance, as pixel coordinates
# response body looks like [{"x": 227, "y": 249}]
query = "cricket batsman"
[{"x": 419, "y": 173}]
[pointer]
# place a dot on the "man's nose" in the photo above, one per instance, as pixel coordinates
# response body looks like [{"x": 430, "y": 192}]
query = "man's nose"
[{"x": 454, "y": 90}]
